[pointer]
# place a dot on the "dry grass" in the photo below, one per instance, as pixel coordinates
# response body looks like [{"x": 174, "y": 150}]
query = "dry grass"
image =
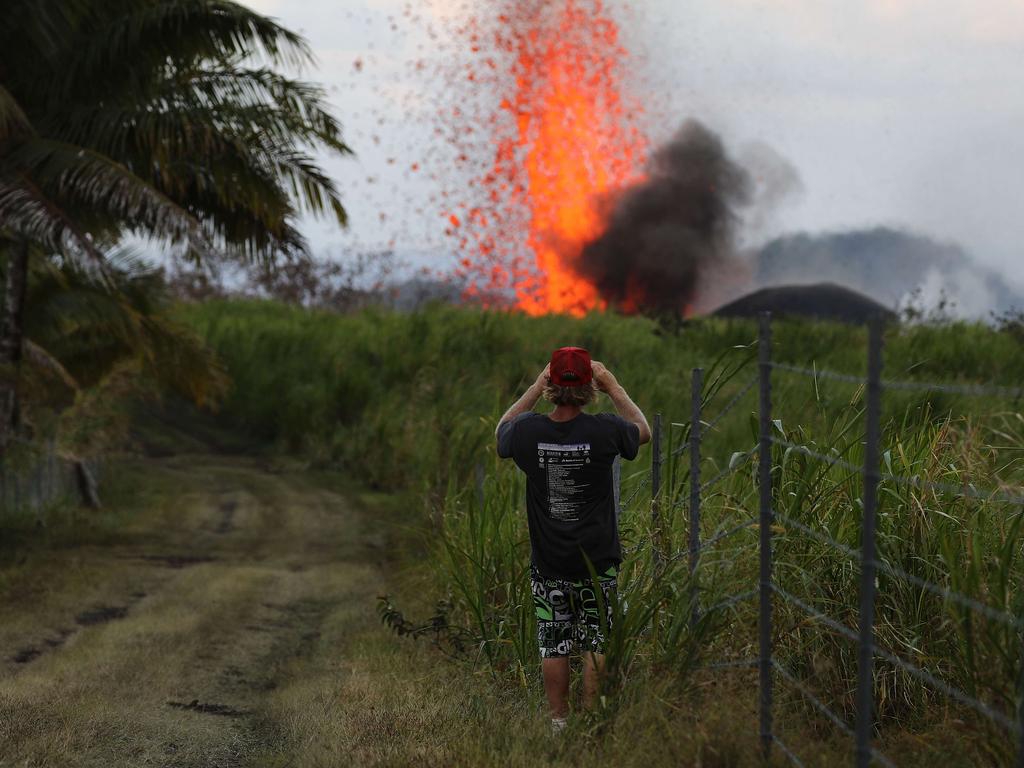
[
  {"x": 263, "y": 561},
  {"x": 273, "y": 621}
]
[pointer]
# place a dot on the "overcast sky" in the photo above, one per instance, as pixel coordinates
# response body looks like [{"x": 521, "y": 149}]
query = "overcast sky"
[{"x": 898, "y": 112}]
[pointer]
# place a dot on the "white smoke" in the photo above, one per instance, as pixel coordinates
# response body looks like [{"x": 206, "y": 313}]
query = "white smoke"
[{"x": 958, "y": 294}]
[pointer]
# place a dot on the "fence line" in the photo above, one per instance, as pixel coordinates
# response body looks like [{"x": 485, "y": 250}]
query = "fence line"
[
  {"x": 870, "y": 563},
  {"x": 945, "y": 593},
  {"x": 974, "y": 390}
]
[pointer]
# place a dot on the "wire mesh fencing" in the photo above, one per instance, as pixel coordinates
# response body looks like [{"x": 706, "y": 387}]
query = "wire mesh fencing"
[{"x": 860, "y": 467}]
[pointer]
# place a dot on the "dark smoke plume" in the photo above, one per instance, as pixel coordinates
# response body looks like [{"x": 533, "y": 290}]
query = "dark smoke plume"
[{"x": 664, "y": 232}]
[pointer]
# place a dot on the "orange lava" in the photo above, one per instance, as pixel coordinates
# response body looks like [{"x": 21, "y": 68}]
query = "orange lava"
[{"x": 565, "y": 141}]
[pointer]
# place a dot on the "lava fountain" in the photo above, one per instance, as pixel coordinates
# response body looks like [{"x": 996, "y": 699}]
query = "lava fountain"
[{"x": 564, "y": 140}]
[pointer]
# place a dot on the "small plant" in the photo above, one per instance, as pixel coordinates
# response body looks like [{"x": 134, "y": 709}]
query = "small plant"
[{"x": 450, "y": 640}]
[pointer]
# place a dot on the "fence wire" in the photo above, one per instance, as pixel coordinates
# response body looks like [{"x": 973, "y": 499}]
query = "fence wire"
[
  {"x": 733, "y": 402},
  {"x": 930, "y": 680},
  {"x": 869, "y": 562},
  {"x": 910, "y": 668},
  {"x": 636, "y": 492},
  {"x": 833, "y": 460},
  {"x": 966, "y": 601},
  {"x": 787, "y": 751},
  {"x": 726, "y": 534},
  {"x": 818, "y": 536},
  {"x": 946, "y": 593},
  {"x": 728, "y": 602},
  {"x": 709, "y": 543},
  {"x": 965, "y": 491},
  {"x": 708, "y": 426},
  {"x": 814, "y": 613},
  {"x": 973, "y": 390},
  {"x": 825, "y": 711},
  {"x": 735, "y": 463},
  {"x": 819, "y": 373}
]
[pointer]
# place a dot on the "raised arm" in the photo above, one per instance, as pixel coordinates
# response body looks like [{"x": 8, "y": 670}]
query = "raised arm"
[
  {"x": 624, "y": 405},
  {"x": 527, "y": 401}
]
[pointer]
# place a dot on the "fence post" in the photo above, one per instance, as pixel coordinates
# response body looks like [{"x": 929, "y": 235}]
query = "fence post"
[
  {"x": 696, "y": 392},
  {"x": 764, "y": 474},
  {"x": 656, "y": 490},
  {"x": 866, "y": 641}
]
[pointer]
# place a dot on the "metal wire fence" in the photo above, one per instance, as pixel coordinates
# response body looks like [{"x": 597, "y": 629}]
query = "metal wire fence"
[{"x": 771, "y": 522}]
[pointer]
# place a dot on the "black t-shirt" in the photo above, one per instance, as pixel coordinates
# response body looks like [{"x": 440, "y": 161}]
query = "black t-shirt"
[{"x": 570, "y": 498}]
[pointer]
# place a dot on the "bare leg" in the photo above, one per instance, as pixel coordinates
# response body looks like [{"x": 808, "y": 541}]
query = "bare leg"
[
  {"x": 593, "y": 672},
  {"x": 556, "y": 685}
]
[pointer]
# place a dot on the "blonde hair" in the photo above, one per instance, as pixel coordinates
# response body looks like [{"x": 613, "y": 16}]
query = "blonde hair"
[{"x": 577, "y": 396}]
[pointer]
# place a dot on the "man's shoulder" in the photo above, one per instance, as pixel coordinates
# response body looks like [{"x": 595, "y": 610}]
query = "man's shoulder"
[
  {"x": 517, "y": 423},
  {"x": 609, "y": 418},
  {"x": 525, "y": 418}
]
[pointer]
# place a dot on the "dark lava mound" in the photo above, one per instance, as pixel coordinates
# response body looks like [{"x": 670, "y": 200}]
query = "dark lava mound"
[{"x": 823, "y": 301}]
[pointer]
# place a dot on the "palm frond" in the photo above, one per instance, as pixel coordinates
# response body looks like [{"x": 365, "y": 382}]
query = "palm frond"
[
  {"x": 157, "y": 34},
  {"x": 13, "y": 120},
  {"x": 58, "y": 175},
  {"x": 192, "y": 143},
  {"x": 42, "y": 30},
  {"x": 29, "y": 214},
  {"x": 40, "y": 358},
  {"x": 87, "y": 326}
]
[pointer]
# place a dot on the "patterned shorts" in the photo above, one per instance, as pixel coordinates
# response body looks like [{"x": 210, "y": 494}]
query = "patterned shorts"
[{"x": 569, "y": 613}]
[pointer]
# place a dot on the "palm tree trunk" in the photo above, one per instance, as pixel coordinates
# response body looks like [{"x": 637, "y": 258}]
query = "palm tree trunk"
[{"x": 12, "y": 331}]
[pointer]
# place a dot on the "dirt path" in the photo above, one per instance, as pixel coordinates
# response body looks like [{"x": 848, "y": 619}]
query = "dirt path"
[{"x": 216, "y": 620}]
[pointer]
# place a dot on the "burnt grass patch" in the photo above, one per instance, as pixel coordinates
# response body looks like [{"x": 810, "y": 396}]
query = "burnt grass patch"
[
  {"x": 33, "y": 652},
  {"x": 101, "y": 614},
  {"x": 25, "y": 655},
  {"x": 222, "y": 710},
  {"x": 177, "y": 562},
  {"x": 58, "y": 640}
]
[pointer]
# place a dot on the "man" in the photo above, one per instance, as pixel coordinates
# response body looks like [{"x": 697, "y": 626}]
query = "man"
[{"x": 567, "y": 456}]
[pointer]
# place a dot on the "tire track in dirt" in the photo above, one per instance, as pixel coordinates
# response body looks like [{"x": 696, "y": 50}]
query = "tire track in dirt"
[{"x": 168, "y": 651}]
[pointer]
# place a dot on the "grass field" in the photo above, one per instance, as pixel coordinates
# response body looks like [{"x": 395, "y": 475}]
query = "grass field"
[
  {"x": 221, "y": 612},
  {"x": 244, "y": 588},
  {"x": 409, "y": 401}
]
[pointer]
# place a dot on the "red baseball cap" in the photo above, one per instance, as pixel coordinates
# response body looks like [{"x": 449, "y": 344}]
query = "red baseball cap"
[{"x": 570, "y": 367}]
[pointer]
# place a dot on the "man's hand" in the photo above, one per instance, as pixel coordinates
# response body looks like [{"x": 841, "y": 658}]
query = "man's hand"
[
  {"x": 604, "y": 380},
  {"x": 627, "y": 409},
  {"x": 529, "y": 398}
]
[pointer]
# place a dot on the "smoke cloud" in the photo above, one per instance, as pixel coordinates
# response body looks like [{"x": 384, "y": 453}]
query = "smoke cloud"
[{"x": 664, "y": 232}]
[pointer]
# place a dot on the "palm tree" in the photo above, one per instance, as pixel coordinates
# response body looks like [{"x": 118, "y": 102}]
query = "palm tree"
[{"x": 167, "y": 119}]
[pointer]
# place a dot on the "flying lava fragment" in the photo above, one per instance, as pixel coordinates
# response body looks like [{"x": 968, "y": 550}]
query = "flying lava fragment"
[{"x": 561, "y": 137}]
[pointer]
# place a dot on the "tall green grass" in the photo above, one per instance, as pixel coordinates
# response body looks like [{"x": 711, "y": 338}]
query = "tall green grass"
[{"x": 409, "y": 403}]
